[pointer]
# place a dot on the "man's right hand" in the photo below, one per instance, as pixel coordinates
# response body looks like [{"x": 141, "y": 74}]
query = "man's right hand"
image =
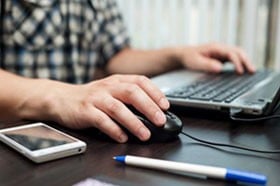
[{"x": 101, "y": 104}]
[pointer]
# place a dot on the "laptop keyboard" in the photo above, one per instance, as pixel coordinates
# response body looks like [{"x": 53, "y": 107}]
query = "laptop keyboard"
[{"x": 219, "y": 88}]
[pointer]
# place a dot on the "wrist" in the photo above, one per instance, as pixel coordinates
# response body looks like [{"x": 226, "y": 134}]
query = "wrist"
[
  {"x": 172, "y": 57},
  {"x": 40, "y": 102},
  {"x": 185, "y": 55},
  {"x": 176, "y": 55}
]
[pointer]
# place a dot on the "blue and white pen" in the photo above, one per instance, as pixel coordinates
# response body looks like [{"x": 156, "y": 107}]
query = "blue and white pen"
[{"x": 208, "y": 171}]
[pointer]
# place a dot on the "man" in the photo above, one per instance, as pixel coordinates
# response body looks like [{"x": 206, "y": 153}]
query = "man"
[{"x": 52, "y": 50}]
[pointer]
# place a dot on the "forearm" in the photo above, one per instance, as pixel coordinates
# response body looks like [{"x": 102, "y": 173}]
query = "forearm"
[
  {"x": 24, "y": 98},
  {"x": 144, "y": 62}
]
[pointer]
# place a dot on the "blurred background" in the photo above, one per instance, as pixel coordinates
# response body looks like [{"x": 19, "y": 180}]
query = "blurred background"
[{"x": 253, "y": 25}]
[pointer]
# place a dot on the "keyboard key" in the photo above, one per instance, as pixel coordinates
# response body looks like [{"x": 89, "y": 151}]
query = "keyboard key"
[{"x": 219, "y": 88}]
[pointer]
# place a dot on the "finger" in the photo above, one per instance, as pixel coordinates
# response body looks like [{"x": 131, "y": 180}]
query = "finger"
[
  {"x": 245, "y": 60},
  {"x": 234, "y": 58},
  {"x": 209, "y": 65},
  {"x": 151, "y": 90},
  {"x": 119, "y": 112},
  {"x": 134, "y": 95},
  {"x": 220, "y": 51},
  {"x": 107, "y": 125}
]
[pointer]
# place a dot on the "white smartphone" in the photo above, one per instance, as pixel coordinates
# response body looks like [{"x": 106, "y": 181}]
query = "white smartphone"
[{"x": 40, "y": 142}]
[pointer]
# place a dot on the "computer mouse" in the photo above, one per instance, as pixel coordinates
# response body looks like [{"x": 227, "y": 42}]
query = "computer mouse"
[{"x": 168, "y": 132}]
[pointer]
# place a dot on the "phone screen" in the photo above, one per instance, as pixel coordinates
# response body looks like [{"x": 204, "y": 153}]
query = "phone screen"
[{"x": 38, "y": 137}]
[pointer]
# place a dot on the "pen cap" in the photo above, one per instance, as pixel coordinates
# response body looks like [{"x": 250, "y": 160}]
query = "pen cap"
[{"x": 247, "y": 177}]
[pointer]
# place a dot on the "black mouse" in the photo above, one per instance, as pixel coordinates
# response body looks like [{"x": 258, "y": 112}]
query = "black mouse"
[{"x": 168, "y": 132}]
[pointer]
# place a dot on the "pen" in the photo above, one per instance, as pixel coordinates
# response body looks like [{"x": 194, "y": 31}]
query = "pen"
[{"x": 208, "y": 171}]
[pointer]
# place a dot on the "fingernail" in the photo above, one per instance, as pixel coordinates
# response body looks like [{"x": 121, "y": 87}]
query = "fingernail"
[
  {"x": 122, "y": 138},
  {"x": 253, "y": 69},
  {"x": 241, "y": 71},
  {"x": 144, "y": 133},
  {"x": 217, "y": 67},
  {"x": 164, "y": 103},
  {"x": 160, "y": 117}
]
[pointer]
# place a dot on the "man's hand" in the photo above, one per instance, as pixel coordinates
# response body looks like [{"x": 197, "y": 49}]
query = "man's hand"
[
  {"x": 210, "y": 57},
  {"x": 101, "y": 104}
]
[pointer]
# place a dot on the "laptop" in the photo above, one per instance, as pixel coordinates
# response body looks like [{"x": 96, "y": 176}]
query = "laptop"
[{"x": 255, "y": 94}]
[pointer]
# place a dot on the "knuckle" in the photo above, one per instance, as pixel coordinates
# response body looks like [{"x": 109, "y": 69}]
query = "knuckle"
[
  {"x": 98, "y": 121},
  {"x": 214, "y": 45},
  {"x": 160, "y": 97},
  {"x": 134, "y": 129},
  {"x": 113, "y": 129},
  {"x": 116, "y": 132},
  {"x": 131, "y": 90},
  {"x": 116, "y": 76},
  {"x": 142, "y": 80},
  {"x": 111, "y": 79},
  {"x": 232, "y": 56},
  {"x": 239, "y": 49},
  {"x": 113, "y": 107}
]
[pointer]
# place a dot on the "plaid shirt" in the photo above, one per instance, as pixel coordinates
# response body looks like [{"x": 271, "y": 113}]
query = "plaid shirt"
[{"x": 65, "y": 40}]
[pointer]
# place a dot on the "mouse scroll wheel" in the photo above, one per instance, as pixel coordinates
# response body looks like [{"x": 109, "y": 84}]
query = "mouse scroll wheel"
[{"x": 169, "y": 115}]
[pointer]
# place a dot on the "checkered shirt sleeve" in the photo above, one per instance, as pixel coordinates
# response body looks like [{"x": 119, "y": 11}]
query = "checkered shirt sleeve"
[{"x": 64, "y": 40}]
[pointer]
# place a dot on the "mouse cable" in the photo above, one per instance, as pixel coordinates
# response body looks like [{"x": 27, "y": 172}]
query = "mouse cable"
[
  {"x": 234, "y": 118},
  {"x": 276, "y": 151}
]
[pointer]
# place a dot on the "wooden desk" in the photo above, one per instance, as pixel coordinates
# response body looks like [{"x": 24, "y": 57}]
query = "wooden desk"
[{"x": 97, "y": 161}]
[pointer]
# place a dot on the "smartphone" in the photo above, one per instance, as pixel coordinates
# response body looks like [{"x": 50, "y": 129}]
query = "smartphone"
[{"x": 40, "y": 142}]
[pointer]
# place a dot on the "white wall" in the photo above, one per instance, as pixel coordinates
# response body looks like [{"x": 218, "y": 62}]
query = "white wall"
[{"x": 159, "y": 23}]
